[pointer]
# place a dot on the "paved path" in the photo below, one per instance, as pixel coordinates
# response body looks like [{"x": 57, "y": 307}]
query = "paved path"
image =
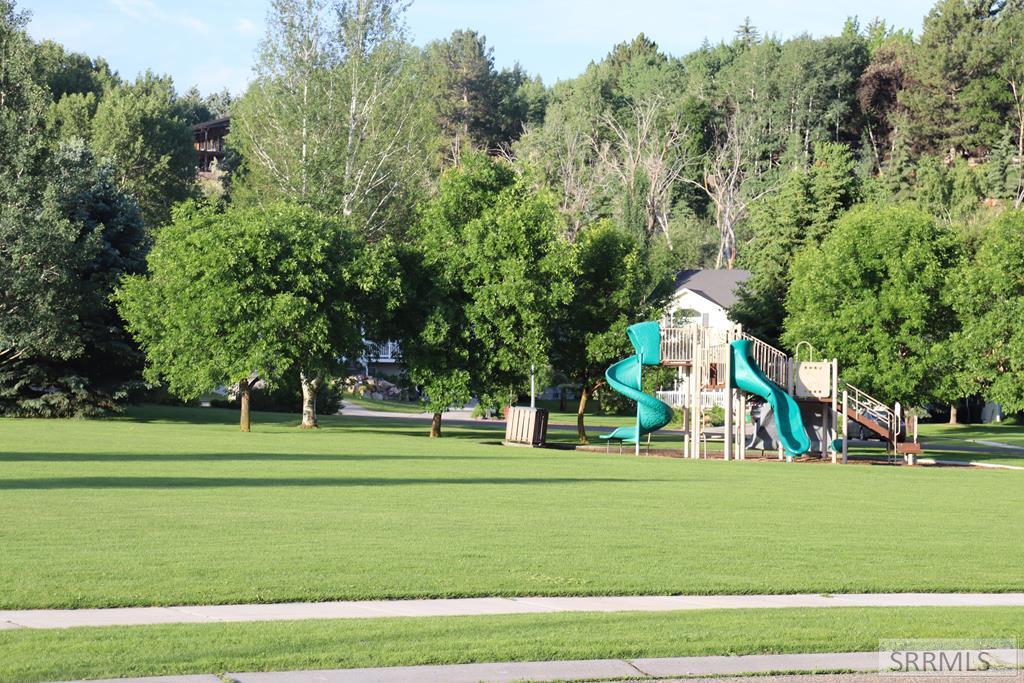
[
  {"x": 613, "y": 669},
  {"x": 205, "y": 614}
]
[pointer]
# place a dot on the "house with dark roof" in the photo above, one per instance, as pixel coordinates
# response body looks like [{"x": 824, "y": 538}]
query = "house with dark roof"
[{"x": 705, "y": 296}]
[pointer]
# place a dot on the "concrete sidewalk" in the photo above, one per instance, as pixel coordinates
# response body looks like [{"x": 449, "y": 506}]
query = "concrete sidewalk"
[
  {"x": 611, "y": 669},
  {"x": 206, "y": 614}
]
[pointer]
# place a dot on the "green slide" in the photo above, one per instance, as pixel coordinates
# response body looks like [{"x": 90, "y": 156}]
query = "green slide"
[
  {"x": 624, "y": 377},
  {"x": 746, "y": 376}
]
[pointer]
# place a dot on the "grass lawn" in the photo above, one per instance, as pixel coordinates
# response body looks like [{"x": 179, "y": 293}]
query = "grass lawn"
[
  {"x": 1006, "y": 432},
  {"x": 413, "y": 407},
  {"x": 171, "y": 506},
  {"x": 957, "y": 442},
  {"x": 221, "y": 648},
  {"x": 556, "y": 416}
]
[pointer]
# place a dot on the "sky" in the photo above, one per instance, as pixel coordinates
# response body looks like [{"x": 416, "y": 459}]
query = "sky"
[{"x": 210, "y": 43}]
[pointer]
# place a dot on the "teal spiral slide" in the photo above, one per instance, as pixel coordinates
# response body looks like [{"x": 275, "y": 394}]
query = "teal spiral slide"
[
  {"x": 747, "y": 377},
  {"x": 625, "y": 378}
]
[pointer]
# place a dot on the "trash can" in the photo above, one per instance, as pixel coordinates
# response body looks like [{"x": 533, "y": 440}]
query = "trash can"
[{"x": 526, "y": 426}]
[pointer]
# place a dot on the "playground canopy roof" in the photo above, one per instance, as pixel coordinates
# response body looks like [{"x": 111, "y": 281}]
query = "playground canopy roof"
[{"x": 718, "y": 286}]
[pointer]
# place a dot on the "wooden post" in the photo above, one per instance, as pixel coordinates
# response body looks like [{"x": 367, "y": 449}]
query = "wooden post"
[
  {"x": 742, "y": 447},
  {"x": 824, "y": 432},
  {"x": 729, "y": 403},
  {"x": 846, "y": 423},
  {"x": 696, "y": 393},
  {"x": 639, "y": 387}
]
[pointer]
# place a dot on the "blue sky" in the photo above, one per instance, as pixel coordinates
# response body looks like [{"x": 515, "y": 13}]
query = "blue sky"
[{"x": 210, "y": 43}]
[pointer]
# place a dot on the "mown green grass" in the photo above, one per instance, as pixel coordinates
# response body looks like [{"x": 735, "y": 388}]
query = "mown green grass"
[
  {"x": 280, "y": 646},
  {"x": 960, "y": 442},
  {"x": 556, "y": 416},
  {"x": 414, "y": 407},
  {"x": 171, "y": 506},
  {"x": 1008, "y": 431}
]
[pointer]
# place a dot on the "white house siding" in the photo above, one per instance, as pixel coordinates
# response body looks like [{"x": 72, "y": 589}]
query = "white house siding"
[{"x": 686, "y": 299}]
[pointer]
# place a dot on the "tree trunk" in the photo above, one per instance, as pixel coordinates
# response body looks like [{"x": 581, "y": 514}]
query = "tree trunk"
[
  {"x": 435, "y": 426},
  {"x": 581, "y": 429},
  {"x": 310, "y": 389},
  {"x": 245, "y": 394},
  {"x": 952, "y": 414}
]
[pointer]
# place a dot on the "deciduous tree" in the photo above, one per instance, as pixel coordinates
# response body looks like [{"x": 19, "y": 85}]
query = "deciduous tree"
[
  {"x": 141, "y": 129},
  {"x": 989, "y": 298},
  {"x": 495, "y": 269},
  {"x": 246, "y": 292},
  {"x": 873, "y": 295},
  {"x": 617, "y": 283}
]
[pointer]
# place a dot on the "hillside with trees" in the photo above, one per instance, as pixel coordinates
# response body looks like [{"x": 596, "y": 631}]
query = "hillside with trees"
[{"x": 821, "y": 164}]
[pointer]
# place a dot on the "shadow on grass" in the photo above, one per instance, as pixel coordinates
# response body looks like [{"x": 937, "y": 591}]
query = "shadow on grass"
[
  {"x": 401, "y": 426},
  {"x": 275, "y": 482},
  {"x": 219, "y": 457}
]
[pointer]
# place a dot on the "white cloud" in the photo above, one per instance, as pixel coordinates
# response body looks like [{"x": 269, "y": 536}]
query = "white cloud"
[
  {"x": 245, "y": 26},
  {"x": 147, "y": 11}
]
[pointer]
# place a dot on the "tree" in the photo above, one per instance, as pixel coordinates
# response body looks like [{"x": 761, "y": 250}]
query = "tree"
[
  {"x": 493, "y": 271},
  {"x": 562, "y": 156},
  {"x": 37, "y": 315},
  {"x": 617, "y": 284},
  {"x": 989, "y": 298},
  {"x": 102, "y": 233},
  {"x": 878, "y": 96},
  {"x": 465, "y": 99},
  {"x": 873, "y": 295},
  {"x": 199, "y": 109},
  {"x": 476, "y": 106},
  {"x": 728, "y": 170},
  {"x": 957, "y": 100},
  {"x": 246, "y": 292},
  {"x": 1007, "y": 57},
  {"x": 646, "y": 160},
  {"x": 141, "y": 129},
  {"x": 802, "y": 213},
  {"x": 66, "y": 235},
  {"x": 331, "y": 119},
  {"x": 747, "y": 34},
  {"x": 70, "y": 73},
  {"x": 616, "y": 140}
]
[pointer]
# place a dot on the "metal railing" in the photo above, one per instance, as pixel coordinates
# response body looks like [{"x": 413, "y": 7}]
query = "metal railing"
[
  {"x": 773, "y": 362},
  {"x": 867, "y": 405}
]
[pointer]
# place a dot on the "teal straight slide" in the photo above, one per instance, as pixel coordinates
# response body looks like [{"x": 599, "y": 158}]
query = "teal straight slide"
[
  {"x": 624, "y": 377},
  {"x": 747, "y": 377}
]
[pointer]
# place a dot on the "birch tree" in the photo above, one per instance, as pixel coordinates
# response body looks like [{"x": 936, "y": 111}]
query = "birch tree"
[
  {"x": 649, "y": 155},
  {"x": 726, "y": 172}
]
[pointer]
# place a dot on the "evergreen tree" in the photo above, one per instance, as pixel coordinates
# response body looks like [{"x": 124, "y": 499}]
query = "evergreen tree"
[{"x": 956, "y": 100}]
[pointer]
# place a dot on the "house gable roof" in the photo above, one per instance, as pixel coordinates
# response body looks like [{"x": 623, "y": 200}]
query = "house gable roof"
[{"x": 718, "y": 286}]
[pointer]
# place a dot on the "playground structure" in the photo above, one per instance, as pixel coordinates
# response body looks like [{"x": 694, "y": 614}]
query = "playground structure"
[{"x": 803, "y": 395}]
